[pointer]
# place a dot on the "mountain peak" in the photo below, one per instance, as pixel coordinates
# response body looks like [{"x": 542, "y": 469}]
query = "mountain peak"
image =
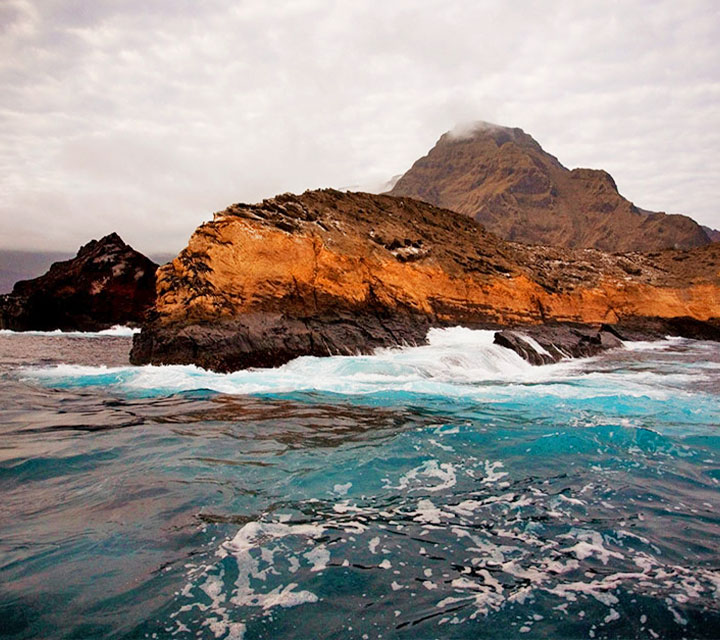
[
  {"x": 109, "y": 242},
  {"x": 503, "y": 178},
  {"x": 481, "y": 130}
]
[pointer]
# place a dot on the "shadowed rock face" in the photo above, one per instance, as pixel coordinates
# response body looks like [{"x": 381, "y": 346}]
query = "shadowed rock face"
[
  {"x": 107, "y": 283},
  {"x": 503, "y": 178},
  {"x": 713, "y": 234},
  {"x": 551, "y": 343},
  {"x": 329, "y": 272}
]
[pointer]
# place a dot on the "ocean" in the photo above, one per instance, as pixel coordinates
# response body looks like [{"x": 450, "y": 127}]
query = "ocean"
[{"x": 444, "y": 491}]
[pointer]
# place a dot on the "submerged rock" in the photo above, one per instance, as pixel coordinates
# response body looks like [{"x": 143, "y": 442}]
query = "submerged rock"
[
  {"x": 343, "y": 273},
  {"x": 106, "y": 284}
]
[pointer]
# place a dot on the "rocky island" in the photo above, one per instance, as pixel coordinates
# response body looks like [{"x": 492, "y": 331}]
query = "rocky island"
[
  {"x": 329, "y": 272},
  {"x": 107, "y": 283}
]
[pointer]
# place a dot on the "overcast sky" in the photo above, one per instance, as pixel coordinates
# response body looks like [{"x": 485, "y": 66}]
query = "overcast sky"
[{"x": 145, "y": 116}]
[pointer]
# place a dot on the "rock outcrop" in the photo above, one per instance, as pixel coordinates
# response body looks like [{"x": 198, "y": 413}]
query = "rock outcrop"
[
  {"x": 503, "y": 178},
  {"x": 551, "y": 343},
  {"x": 341, "y": 273},
  {"x": 106, "y": 284},
  {"x": 713, "y": 234}
]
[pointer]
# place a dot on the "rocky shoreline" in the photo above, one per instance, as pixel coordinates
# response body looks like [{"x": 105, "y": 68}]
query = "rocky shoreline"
[
  {"x": 329, "y": 272},
  {"x": 270, "y": 340},
  {"x": 553, "y": 342}
]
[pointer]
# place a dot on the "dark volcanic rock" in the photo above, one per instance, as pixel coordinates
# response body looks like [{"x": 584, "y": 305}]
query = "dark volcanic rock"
[
  {"x": 107, "y": 283},
  {"x": 654, "y": 328},
  {"x": 272, "y": 339},
  {"x": 551, "y": 343},
  {"x": 558, "y": 341}
]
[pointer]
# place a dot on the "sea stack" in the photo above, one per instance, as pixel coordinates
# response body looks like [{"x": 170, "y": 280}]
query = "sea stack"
[
  {"x": 330, "y": 272},
  {"x": 107, "y": 283}
]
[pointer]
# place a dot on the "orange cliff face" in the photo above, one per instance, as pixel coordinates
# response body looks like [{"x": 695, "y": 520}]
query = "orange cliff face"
[{"x": 331, "y": 272}]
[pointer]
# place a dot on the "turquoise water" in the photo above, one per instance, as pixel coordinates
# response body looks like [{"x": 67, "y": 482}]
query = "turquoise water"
[{"x": 446, "y": 491}]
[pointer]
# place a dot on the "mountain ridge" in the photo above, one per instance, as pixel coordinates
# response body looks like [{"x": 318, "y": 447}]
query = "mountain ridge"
[
  {"x": 504, "y": 179},
  {"x": 713, "y": 234}
]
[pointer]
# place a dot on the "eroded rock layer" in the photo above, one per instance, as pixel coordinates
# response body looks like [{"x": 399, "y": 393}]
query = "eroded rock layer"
[{"x": 337, "y": 273}]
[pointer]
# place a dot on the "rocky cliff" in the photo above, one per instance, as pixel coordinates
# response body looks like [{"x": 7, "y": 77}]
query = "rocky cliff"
[
  {"x": 107, "y": 283},
  {"x": 329, "y": 272},
  {"x": 503, "y": 178}
]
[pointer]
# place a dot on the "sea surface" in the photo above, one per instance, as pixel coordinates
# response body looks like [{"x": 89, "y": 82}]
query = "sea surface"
[{"x": 444, "y": 491}]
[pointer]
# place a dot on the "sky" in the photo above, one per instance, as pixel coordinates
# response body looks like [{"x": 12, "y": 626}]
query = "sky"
[{"x": 146, "y": 116}]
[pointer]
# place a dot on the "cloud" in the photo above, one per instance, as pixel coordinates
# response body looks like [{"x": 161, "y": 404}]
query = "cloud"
[{"x": 145, "y": 117}]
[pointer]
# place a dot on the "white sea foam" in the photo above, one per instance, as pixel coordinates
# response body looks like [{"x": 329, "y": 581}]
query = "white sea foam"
[
  {"x": 254, "y": 534},
  {"x": 319, "y": 557},
  {"x": 427, "y": 512},
  {"x": 454, "y": 362},
  {"x": 655, "y": 345},
  {"x": 458, "y": 363},
  {"x": 536, "y": 345},
  {"x": 115, "y": 331},
  {"x": 268, "y": 552},
  {"x": 253, "y": 547},
  {"x": 445, "y": 472}
]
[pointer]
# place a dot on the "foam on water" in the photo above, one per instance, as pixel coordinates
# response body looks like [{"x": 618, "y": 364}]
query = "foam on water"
[
  {"x": 450, "y": 490},
  {"x": 452, "y": 362},
  {"x": 456, "y": 363},
  {"x": 115, "y": 331},
  {"x": 655, "y": 345},
  {"x": 456, "y": 554}
]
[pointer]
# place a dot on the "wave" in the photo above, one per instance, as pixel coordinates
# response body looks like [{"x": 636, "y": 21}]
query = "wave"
[
  {"x": 453, "y": 362},
  {"x": 655, "y": 345},
  {"x": 115, "y": 331},
  {"x": 456, "y": 363}
]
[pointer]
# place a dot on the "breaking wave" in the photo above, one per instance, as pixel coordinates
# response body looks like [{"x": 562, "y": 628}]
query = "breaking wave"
[{"x": 456, "y": 362}]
